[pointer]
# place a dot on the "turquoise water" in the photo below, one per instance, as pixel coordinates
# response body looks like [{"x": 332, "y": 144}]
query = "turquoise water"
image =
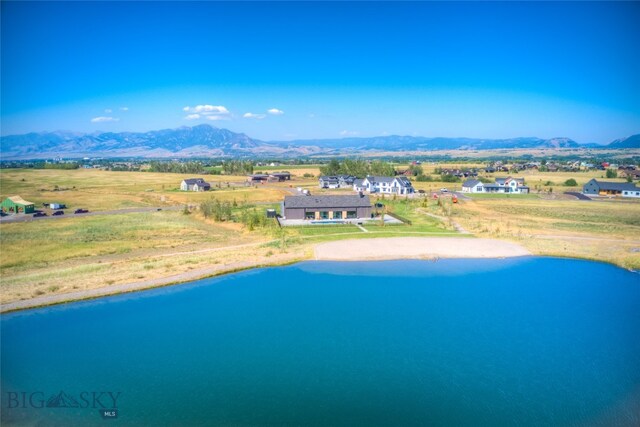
[{"x": 527, "y": 342}]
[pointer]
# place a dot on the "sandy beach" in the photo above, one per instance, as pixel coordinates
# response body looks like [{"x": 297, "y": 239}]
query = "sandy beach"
[{"x": 416, "y": 247}]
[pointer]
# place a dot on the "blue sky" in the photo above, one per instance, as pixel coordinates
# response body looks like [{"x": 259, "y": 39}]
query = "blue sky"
[{"x": 324, "y": 70}]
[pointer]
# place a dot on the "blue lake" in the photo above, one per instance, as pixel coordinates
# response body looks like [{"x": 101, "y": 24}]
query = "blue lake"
[{"x": 527, "y": 341}]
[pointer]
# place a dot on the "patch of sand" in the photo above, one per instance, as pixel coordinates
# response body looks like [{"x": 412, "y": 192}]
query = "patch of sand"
[{"x": 417, "y": 247}]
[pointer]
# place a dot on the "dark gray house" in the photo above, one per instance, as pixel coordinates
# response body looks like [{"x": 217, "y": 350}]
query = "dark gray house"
[
  {"x": 603, "y": 188},
  {"x": 327, "y": 207}
]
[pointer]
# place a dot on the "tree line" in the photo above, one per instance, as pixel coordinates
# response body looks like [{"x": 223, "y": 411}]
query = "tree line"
[{"x": 358, "y": 168}]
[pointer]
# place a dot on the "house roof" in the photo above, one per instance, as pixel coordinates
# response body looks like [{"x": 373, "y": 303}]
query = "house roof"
[
  {"x": 471, "y": 183},
  {"x": 328, "y": 178},
  {"x": 388, "y": 179},
  {"x": 349, "y": 201},
  {"x": 403, "y": 180},
  {"x": 358, "y": 182},
  {"x": 19, "y": 200},
  {"x": 616, "y": 186},
  {"x": 191, "y": 181}
]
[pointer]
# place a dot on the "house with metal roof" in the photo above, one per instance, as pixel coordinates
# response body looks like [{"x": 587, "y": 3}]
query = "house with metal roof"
[
  {"x": 604, "y": 188},
  {"x": 388, "y": 185},
  {"x": 16, "y": 204},
  {"x": 336, "y": 181},
  {"x": 502, "y": 185},
  {"x": 195, "y": 184},
  {"x": 330, "y": 207},
  {"x": 472, "y": 186}
]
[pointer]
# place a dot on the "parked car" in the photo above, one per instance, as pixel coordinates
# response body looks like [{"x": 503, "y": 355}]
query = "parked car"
[
  {"x": 80, "y": 211},
  {"x": 37, "y": 214},
  {"x": 444, "y": 190},
  {"x": 57, "y": 213}
]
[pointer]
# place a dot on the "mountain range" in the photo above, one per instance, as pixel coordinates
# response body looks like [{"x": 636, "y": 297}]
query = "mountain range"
[{"x": 209, "y": 141}]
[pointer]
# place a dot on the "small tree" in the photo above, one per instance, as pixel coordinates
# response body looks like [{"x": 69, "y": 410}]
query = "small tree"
[
  {"x": 570, "y": 183},
  {"x": 612, "y": 173}
]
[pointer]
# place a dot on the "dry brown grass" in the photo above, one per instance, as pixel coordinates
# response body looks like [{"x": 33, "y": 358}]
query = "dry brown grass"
[{"x": 607, "y": 230}]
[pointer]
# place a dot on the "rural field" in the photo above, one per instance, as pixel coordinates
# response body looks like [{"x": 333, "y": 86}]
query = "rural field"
[{"x": 57, "y": 256}]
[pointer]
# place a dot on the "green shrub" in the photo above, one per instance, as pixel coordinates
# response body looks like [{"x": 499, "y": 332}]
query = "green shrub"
[{"x": 570, "y": 183}]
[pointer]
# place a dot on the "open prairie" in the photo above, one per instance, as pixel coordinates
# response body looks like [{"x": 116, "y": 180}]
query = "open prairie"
[{"x": 61, "y": 255}]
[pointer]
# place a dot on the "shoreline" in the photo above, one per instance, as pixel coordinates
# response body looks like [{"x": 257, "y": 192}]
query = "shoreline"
[{"x": 390, "y": 248}]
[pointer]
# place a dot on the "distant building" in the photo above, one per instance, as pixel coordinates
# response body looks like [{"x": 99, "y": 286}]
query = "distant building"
[
  {"x": 502, "y": 185},
  {"x": 358, "y": 185},
  {"x": 16, "y": 204},
  {"x": 336, "y": 181},
  {"x": 279, "y": 176},
  {"x": 343, "y": 207},
  {"x": 603, "y": 188},
  {"x": 195, "y": 184},
  {"x": 472, "y": 186},
  {"x": 258, "y": 177},
  {"x": 387, "y": 185}
]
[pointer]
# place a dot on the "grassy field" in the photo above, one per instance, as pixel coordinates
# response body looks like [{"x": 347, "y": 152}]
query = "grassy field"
[
  {"x": 57, "y": 256},
  {"x": 104, "y": 190},
  {"x": 606, "y": 230}
]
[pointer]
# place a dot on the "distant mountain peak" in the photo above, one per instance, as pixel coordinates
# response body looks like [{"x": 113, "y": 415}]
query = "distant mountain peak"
[{"x": 205, "y": 140}]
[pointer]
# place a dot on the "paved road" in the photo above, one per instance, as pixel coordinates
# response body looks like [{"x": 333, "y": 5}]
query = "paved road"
[
  {"x": 579, "y": 196},
  {"x": 70, "y": 214}
]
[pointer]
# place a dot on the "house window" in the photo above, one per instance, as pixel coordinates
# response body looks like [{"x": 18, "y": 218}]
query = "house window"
[
  {"x": 337, "y": 215},
  {"x": 309, "y": 215},
  {"x": 351, "y": 214},
  {"x": 324, "y": 215}
]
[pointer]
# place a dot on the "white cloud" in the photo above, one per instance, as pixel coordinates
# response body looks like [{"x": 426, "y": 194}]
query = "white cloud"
[
  {"x": 207, "y": 109},
  {"x": 275, "y": 112},
  {"x": 254, "y": 116},
  {"x": 211, "y": 112},
  {"x": 124, "y": 108},
  {"x": 102, "y": 119},
  {"x": 108, "y": 110},
  {"x": 348, "y": 133}
]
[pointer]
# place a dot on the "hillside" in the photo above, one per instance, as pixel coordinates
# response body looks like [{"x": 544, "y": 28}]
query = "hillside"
[{"x": 209, "y": 141}]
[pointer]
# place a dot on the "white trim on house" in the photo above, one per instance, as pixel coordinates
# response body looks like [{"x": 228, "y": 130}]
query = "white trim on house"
[{"x": 399, "y": 185}]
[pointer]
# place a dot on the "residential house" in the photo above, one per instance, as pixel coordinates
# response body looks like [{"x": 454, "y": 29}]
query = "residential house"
[
  {"x": 334, "y": 207},
  {"x": 472, "y": 186},
  {"x": 358, "y": 185},
  {"x": 399, "y": 185},
  {"x": 502, "y": 185},
  {"x": 603, "y": 188},
  {"x": 195, "y": 184},
  {"x": 336, "y": 181}
]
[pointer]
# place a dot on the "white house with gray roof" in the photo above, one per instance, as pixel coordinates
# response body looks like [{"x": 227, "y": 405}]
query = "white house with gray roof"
[
  {"x": 502, "y": 185},
  {"x": 399, "y": 185},
  {"x": 472, "y": 186},
  {"x": 195, "y": 184}
]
